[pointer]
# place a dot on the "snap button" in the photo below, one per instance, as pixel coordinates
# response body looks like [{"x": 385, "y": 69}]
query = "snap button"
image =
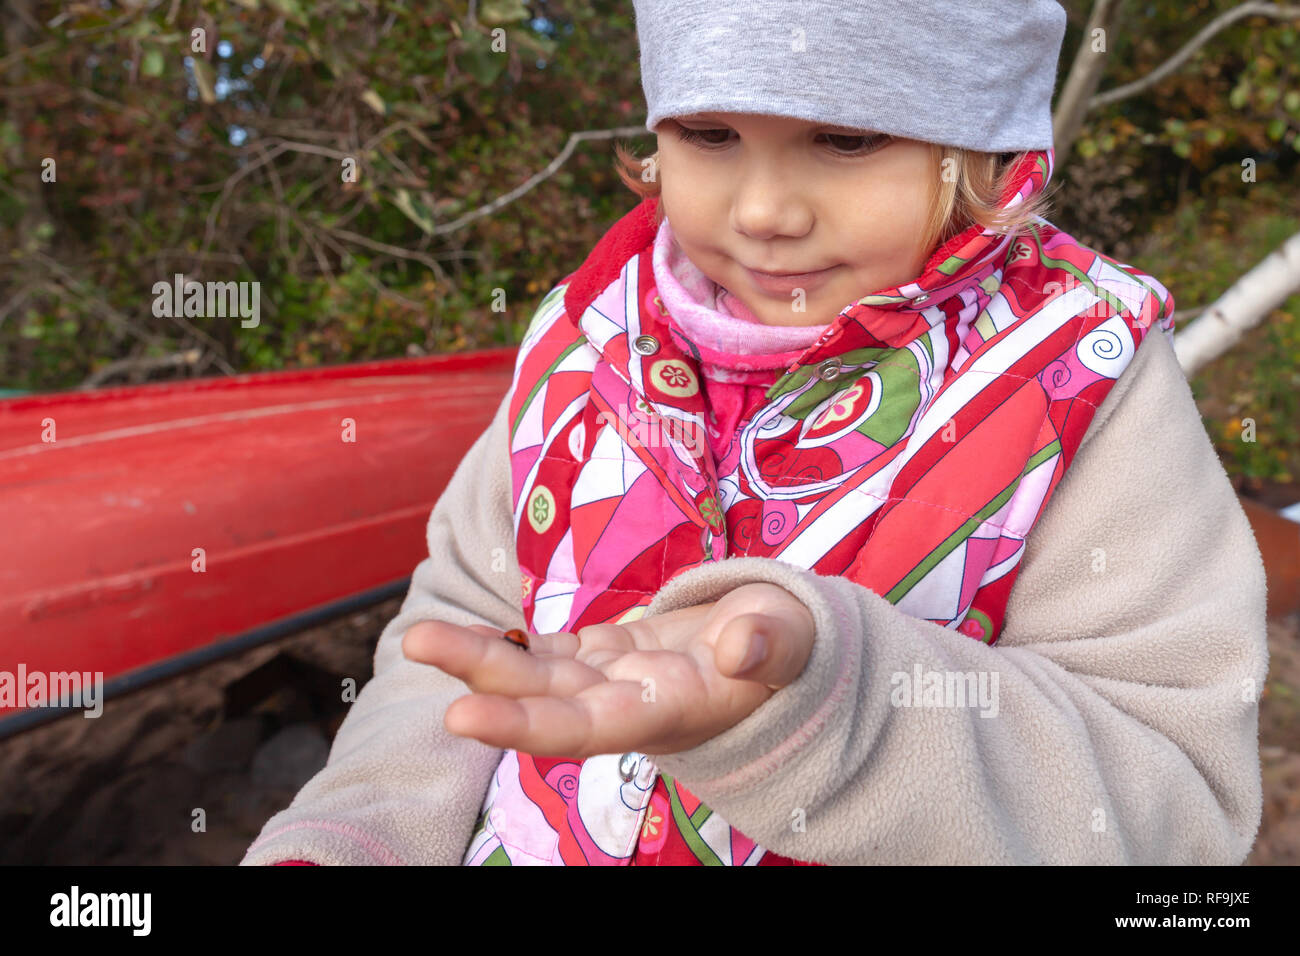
[
  {"x": 646, "y": 344},
  {"x": 830, "y": 370},
  {"x": 627, "y": 766},
  {"x": 921, "y": 298}
]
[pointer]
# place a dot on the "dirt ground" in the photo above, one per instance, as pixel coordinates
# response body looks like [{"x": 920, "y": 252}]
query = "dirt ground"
[{"x": 238, "y": 738}]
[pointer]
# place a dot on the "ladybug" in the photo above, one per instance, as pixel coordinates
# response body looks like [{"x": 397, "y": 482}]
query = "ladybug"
[{"x": 517, "y": 637}]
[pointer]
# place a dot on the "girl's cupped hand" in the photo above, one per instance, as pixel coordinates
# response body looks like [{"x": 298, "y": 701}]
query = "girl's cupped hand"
[{"x": 660, "y": 685}]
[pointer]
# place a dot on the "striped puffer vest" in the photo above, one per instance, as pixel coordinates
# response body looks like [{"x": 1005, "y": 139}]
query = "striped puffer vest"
[{"x": 911, "y": 449}]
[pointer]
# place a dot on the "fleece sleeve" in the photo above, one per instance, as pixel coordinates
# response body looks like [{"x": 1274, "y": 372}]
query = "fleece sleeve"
[
  {"x": 398, "y": 788},
  {"x": 1123, "y": 724}
]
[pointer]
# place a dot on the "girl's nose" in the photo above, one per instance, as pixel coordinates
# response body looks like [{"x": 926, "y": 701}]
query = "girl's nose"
[{"x": 765, "y": 205}]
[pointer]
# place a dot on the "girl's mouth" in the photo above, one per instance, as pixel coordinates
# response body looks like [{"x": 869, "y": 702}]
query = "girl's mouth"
[{"x": 787, "y": 284}]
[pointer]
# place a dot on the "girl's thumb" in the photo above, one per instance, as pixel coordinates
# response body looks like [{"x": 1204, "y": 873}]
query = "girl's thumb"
[{"x": 769, "y": 649}]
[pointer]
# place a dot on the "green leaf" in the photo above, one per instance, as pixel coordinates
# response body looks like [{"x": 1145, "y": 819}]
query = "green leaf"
[
  {"x": 535, "y": 42},
  {"x": 479, "y": 60},
  {"x": 290, "y": 8},
  {"x": 153, "y": 62},
  {"x": 1292, "y": 101},
  {"x": 1239, "y": 96},
  {"x": 413, "y": 210},
  {"x": 1276, "y": 128},
  {"x": 1215, "y": 136},
  {"x": 502, "y": 11},
  {"x": 1087, "y": 148},
  {"x": 141, "y": 29},
  {"x": 1183, "y": 148}
]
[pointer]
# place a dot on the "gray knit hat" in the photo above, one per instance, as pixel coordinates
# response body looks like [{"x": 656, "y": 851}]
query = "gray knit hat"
[{"x": 972, "y": 73}]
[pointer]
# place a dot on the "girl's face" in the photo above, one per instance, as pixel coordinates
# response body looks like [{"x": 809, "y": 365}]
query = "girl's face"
[{"x": 751, "y": 191}]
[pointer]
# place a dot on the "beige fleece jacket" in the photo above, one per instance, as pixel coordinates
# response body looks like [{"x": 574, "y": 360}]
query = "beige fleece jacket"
[{"x": 1122, "y": 727}]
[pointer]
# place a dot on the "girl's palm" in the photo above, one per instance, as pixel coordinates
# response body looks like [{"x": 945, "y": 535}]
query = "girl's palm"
[{"x": 659, "y": 685}]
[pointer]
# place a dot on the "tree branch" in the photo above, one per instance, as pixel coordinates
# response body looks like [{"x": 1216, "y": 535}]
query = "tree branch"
[
  {"x": 1085, "y": 74},
  {"x": 1241, "y": 308},
  {"x": 551, "y": 168},
  {"x": 1218, "y": 24},
  {"x": 266, "y": 157},
  {"x": 189, "y": 357},
  {"x": 79, "y": 291},
  {"x": 384, "y": 247}
]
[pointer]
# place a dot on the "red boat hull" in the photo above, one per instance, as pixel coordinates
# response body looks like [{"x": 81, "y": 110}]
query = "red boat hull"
[{"x": 148, "y": 522}]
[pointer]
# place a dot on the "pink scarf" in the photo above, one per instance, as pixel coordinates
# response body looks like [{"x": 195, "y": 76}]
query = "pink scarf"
[{"x": 740, "y": 355}]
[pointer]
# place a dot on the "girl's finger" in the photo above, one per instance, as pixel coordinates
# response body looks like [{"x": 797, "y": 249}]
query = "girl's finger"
[
  {"x": 559, "y": 644},
  {"x": 492, "y": 665},
  {"x": 770, "y": 649},
  {"x": 609, "y": 717}
]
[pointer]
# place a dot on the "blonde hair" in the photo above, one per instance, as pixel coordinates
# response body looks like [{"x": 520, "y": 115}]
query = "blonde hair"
[{"x": 970, "y": 187}]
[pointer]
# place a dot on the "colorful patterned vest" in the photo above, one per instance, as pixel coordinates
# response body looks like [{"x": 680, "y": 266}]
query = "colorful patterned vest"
[{"x": 911, "y": 449}]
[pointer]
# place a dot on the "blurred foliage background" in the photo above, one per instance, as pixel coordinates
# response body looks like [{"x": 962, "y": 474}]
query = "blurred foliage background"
[{"x": 225, "y": 164}]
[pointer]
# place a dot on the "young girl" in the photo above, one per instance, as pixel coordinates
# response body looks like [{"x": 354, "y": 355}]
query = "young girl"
[{"x": 849, "y": 511}]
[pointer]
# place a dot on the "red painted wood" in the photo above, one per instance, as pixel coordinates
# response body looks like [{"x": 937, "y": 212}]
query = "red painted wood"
[
  {"x": 1279, "y": 546},
  {"x": 98, "y": 528}
]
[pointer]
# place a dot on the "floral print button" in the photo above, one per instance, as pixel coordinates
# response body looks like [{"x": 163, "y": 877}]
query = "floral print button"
[
  {"x": 541, "y": 509},
  {"x": 674, "y": 378}
]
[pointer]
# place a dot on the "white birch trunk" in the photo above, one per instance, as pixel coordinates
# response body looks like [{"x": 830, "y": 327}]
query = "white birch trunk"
[{"x": 1242, "y": 307}]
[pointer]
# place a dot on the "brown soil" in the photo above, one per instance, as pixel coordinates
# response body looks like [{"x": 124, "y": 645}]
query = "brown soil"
[{"x": 238, "y": 738}]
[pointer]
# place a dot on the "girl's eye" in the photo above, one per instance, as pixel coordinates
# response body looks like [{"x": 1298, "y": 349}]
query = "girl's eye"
[
  {"x": 701, "y": 136},
  {"x": 853, "y": 144},
  {"x": 844, "y": 144}
]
